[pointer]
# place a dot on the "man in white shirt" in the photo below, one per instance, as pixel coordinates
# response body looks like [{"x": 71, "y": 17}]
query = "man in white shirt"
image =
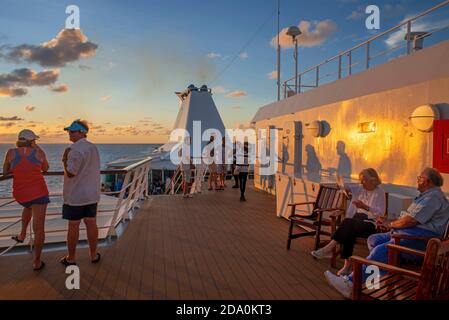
[{"x": 81, "y": 192}]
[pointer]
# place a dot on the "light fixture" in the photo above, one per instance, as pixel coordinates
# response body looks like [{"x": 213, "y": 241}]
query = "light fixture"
[
  {"x": 367, "y": 127},
  {"x": 315, "y": 128},
  {"x": 423, "y": 117}
]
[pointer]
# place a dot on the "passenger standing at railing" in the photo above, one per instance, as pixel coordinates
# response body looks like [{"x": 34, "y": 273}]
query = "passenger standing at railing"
[
  {"x": 81, "y": 192},
  {"x": 26, "y": 163}
]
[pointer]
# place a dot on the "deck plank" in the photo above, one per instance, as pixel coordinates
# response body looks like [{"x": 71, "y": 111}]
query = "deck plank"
[{"x": 208, "y": 247}]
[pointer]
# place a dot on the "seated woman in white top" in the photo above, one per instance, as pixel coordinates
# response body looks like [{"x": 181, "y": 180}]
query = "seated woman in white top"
[{"x": 367, "y": 204}]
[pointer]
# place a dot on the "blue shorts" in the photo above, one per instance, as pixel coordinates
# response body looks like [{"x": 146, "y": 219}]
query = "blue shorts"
[
  {"x": 75, "y": 213},
  {"x": 41, "y": 200}
]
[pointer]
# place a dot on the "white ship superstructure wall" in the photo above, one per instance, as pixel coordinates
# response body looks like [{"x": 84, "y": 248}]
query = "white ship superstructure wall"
[{"x": 364, "y": 122}]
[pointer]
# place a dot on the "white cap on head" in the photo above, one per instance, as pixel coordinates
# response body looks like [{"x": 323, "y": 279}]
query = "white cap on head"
[{"x": 28, "y": 135}]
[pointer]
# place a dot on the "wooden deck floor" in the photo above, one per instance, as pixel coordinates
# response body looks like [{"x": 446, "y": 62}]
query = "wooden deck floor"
[{"x": 208, "y": 247}]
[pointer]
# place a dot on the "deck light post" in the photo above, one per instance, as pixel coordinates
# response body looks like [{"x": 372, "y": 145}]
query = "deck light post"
[{"x": 294, "y": 32}]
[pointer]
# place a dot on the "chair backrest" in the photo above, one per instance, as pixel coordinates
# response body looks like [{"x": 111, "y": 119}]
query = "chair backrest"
[
  {"x": 434, "y": 281},
  {"x": 329, "y": 197}
]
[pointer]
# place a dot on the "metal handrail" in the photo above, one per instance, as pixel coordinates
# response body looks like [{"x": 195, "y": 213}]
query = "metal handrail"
[
  {"x": 133, "y": 190},
  {"x": 362, "y": 44}
]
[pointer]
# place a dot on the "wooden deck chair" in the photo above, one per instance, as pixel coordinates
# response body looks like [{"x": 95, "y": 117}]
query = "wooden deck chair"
[
  {"x": 395, "y": 258},
  {"x": 329, "y": 200},
  {"x": 430, "y": 283},
  {"x": 361, "y": 241}
]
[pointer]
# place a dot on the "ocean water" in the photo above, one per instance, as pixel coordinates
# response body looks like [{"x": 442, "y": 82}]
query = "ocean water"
[{"x": 108, "y": 153}]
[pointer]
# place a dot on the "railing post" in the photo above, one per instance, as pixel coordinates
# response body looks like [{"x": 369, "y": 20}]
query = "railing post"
[
  {"x": 350, "y": 63},
  {"x": 317, "y": 80},
  {"x": 339, "y": 67},
  {"x": 367, "y": 55},
  {"x": 118, "y": 207},
  {"x": 299, "y": 84},
  {"x": 409, "y": 37}
]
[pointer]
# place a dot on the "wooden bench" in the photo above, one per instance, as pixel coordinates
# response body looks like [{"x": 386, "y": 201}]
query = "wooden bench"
[
  {"x": 430, "y": 283},
  {"x": 329, "y": 200}
]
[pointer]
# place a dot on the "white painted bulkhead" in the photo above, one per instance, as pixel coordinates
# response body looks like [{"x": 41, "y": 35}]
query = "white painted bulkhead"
[{"x": 382, "y": 100}]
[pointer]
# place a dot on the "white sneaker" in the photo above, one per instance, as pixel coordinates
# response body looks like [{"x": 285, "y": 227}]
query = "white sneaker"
[
  {"x": 341, "y": 284},
  {"x": 344, "y": 272},
  {"x": 321, "y": 254}
]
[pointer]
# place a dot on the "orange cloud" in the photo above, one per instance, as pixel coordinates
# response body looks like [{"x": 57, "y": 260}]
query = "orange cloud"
[
  {"x": 273, "y": 75},
  {"x": 236, "y": 94},
  {"x": 14, "y": 84},
  {"x": 30, "y": 108},
  {"x": 68, "y": 46},
  {"x": 308, "y": 38},
  {"x": 60, "y": 89}
]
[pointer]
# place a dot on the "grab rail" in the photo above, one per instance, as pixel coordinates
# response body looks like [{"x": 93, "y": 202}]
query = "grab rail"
[
  {"x": 287, "y": 84},
  {"x": 132, "y": 192}
]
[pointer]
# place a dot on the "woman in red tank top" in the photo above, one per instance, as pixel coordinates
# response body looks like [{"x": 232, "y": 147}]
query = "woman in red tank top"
[{"x": 27, "y": 162}]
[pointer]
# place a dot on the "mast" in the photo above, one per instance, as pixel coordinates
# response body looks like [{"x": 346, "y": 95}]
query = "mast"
[{"x": 279, "y": 53}]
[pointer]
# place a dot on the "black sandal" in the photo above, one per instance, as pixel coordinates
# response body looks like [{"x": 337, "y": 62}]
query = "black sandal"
[
  {"x": 40, "y": 267},
  {"x": 16, "y": 238},
  {"x": 97, "y": 259},
  {"x": 67, "y": 263}
]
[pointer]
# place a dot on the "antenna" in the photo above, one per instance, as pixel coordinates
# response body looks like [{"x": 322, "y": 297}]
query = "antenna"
[{"x": 279, "y": 52}]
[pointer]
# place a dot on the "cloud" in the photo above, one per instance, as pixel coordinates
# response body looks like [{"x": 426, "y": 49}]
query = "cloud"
[
  {"x": 83, "y": 67},
  {"x": 68, "y": 46},
  {"x": 11, "y": 92},
  {"x": 236, "y": 94},
  {"x": 273, "y": 75},
  {"x": 236, "y": 107},
  {"x": 308, "y": 38},
  {"x": 219, "y": 90},
  {"x": 106, "y": 98},
  {"x": 60, "y": 89},
  {"x": 425, "y": 25},
  {"x": 7, "y": 124},
  {"x": 387, "y": 10},
  {"x": 357, "y": 14},
  {"x": 213, "y": 55},
  {"x": 30, "y": 108},
  {"x": 14, "y": 84},
  {"x": 15, "y": 118},
  {"x": 243, "y": 56}
]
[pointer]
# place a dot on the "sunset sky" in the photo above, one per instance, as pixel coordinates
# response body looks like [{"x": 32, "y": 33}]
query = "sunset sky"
[{"x": 121, "y": 69}]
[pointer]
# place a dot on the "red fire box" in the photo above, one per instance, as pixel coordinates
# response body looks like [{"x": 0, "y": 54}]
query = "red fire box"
[{"x": 441, "y": 145}]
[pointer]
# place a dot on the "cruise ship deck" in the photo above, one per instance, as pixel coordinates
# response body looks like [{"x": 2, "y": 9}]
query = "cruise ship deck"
[{"x": 209, "y": 247}]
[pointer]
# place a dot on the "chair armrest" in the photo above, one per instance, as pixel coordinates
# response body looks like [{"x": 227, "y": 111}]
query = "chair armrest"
[
  {"x": 408, "y": 237},
  {"x": 299, "y": 204},
  {"x": 328, "y": 210},
  {"x": 395, "y": 248},
  {"x": 384, "y": 266},
  {"x": 299, "y": 216},
  {"x": 336, "y": 213}
]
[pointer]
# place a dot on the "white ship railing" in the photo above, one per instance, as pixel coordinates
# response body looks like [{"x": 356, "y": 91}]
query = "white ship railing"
[
  {"x": 125, "y": 201},
  {"x": 319, "y": 75}
]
